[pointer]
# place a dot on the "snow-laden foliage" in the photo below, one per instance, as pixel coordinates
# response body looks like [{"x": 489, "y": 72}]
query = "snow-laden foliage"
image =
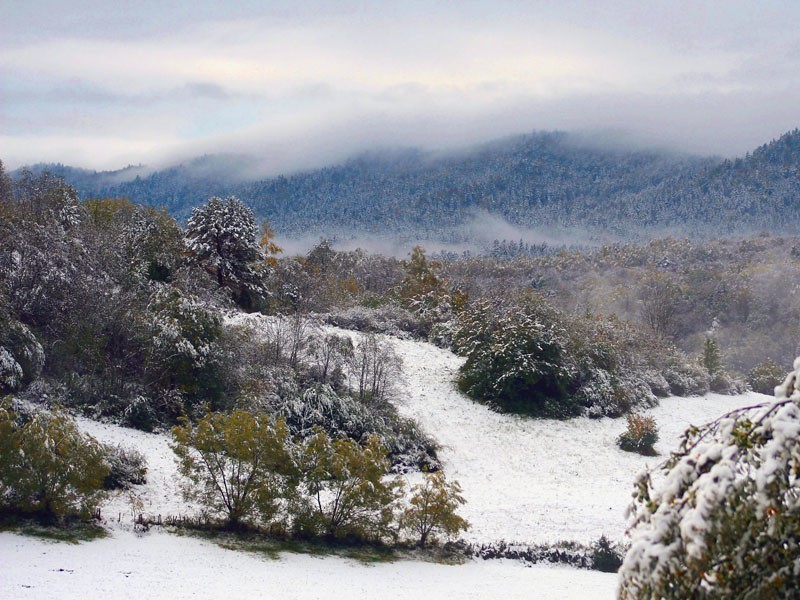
[
  {"x": 223, "y": 236},
  {"x": 344, "y": 416},
  {"x": 531, "y": 358},
  {"x": 21, "y": 355},
  {"x": 183, "y": 351},
  {"x": 721, "y": 518}
]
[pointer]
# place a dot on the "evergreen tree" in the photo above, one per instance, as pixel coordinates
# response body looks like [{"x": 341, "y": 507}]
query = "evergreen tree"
[{"x": 224, "y": 237}]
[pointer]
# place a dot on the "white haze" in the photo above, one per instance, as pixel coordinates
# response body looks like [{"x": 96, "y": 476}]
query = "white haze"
[
  {"x": 481, "y": 229},
  {"x": 302, "y": 85}
]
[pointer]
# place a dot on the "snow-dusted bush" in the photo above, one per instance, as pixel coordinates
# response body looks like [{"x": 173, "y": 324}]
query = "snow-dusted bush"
[
  {"x": 342, "y": 416},
  {"x": 765, "y": 376},
  {"x": 388, "y": 318},
  {"x": 722, "y": 518},
  {"x": 640, "y": 436},
  {"x": 686, "y": 378},
  {"x": 47, "y": 466},
  {"x": 127, "y": 466},
  {"x": 21, "y": 355}
]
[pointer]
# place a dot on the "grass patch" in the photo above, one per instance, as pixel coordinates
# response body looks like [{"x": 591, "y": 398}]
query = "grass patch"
[
  {"x": 72, "y": 531},
  {"x": 271, "y": 547}
]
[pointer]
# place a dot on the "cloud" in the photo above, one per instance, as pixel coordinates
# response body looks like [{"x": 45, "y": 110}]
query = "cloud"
[{"x": 300, "y": 84}]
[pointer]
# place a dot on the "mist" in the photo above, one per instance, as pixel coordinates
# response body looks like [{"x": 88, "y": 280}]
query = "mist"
[{"x": 300, "y": 87}]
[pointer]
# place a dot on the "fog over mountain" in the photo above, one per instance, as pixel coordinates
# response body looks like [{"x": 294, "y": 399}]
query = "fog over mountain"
[{"x": 544, "y": 189}]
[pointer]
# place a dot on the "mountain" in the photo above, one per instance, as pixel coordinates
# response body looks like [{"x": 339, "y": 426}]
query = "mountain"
[{"x": 544, "y": 181}]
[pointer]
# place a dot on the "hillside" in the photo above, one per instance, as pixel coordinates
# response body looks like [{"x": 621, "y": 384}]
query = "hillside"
[
  {"x": 518, "y": 488},
  {"x": 541, "y": 181}
]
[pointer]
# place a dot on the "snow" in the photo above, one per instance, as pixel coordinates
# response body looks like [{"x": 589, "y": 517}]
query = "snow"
[
  {"x": 525, "y": 480},
  {"x": 534, "y": 480},
  {"x": 157, "y": 565}
]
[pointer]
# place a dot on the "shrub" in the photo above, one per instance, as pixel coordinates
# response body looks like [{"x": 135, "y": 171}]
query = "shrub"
[
  {"x": 237, "y": 465},
  {"x": 516, "y": 359},
  {"x": 48, "y": 467},
  {"x": 127, "y": 467},
  {"x": 721, "y": 520},
  {"x": 686, "y": 378},
  {"x": 766, "y": 376},
  {"x": 347, "y": 493},
  {"x": 606, "y": 555},
  {"x": 432, "y": 509},
  {"x": 640, "y": 436}
]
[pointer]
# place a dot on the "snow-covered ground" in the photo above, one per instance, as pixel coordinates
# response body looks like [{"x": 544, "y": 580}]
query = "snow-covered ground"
[
  {"x": 531, "y": 480},
  {"x": 524, "y": 480}
]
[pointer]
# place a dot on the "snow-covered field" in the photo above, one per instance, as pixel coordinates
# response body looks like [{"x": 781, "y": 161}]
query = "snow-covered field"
[{"x": 524, "y": 480}]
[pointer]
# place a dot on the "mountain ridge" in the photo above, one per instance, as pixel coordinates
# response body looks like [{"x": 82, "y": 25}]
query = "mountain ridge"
[{"x": 541, "y": 180}]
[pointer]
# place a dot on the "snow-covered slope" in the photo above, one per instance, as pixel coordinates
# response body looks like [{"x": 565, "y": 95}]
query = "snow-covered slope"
[
  {"x": 530, "y": 480},
  {"x": 524, "y": 480}
]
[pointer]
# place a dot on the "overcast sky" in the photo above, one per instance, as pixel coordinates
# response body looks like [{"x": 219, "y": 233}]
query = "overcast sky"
[{"x": 300, "y": 84}]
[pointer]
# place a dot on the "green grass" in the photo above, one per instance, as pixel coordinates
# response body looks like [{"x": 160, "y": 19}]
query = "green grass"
[
  {"x": 272, "y": 548},
  {"x": 73, "y": 531}
]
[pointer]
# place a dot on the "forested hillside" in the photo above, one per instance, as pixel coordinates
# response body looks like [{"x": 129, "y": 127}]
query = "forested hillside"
[{"x": 542, "y": 180}]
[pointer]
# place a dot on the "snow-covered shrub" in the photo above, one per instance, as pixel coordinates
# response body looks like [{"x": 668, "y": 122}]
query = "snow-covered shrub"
[
  {"x": 183, "y": 352},
  {"x": 140, "y": 413},
  {"x": 127, "y": 466},
  {"x": 640, "y": 436},
  {"x": 21, "y": 355},
  {"x": 388, "y": 318},
  {"x": 722, "y": 518},
  {"x": 517, "y": 359},
  {"x": 766, "y": 376},
  {"x": 685, "y": 377},
  {"x": 656, "y": 381},
  {"x": 342, "y": 416}
]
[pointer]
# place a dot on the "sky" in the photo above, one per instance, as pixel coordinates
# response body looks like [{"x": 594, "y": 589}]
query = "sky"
[{"x": 102, "y": 84}]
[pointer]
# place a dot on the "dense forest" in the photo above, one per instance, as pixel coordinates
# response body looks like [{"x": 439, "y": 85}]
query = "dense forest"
[{"x": 552, "y": 183}]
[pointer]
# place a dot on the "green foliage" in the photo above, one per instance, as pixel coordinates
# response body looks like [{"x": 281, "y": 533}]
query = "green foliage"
[
  {"x": 766, "y": 376},
  {"x": 237, "y": 465},
  {"x": 432, "y": 509},
  {"x": 347, "y": 493},
  {"x": 183, "y": 352},
  {"x": 640, "y": 436},
  {"x": 47, "y": 467},
  {"x": 712, "y": 356},
  {"x": 516, "y": 359},
  {"x": 721, "y": 520},
  {"x": 606, "y": 555}
]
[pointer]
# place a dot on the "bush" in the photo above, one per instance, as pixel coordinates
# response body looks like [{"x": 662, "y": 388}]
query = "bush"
[
  {"x": 766, "y": 376},
  {"x": 432, "y": 509},
  {"x": 47, "y": 467},
  {"x": 516, "y": 359},
  {"x": 127, "y": 467},
  {"x": 606, "y": 555},
  {"x": 237, "y": 465},
  {"x": 640, "y": 436},
  {"x": 346, "y": 490},
  {"x": 686, "y": 378},
  {"x": 721, "y": 519}
]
